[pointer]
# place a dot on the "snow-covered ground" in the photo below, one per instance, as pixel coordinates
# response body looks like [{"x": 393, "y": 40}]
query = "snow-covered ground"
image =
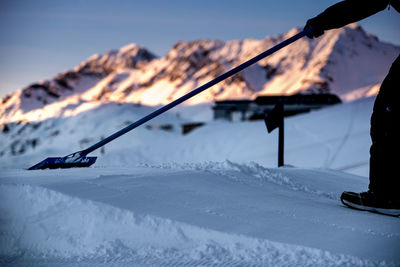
[
  {"x": 194, "y": 214},
  {"x": 209, "y": 198}
]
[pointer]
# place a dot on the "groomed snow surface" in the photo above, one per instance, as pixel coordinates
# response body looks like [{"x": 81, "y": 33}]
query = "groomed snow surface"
[
  {"x": 201, "y": 214},
  {"x": 210, "y": 198}
]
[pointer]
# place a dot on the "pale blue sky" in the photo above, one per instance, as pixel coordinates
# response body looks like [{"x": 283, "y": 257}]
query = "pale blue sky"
[{"x": 40, "y": 38}]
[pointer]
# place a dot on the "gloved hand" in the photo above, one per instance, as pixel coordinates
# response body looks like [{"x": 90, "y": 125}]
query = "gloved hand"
[{"x": 316, "y": 26}]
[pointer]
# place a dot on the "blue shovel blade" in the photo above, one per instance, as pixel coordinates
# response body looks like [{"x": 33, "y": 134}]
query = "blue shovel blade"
[{"x": 62, "y": 162}]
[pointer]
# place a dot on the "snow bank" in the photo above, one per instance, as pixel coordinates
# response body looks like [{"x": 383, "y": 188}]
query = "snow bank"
[{"x": 38, "y": 224}]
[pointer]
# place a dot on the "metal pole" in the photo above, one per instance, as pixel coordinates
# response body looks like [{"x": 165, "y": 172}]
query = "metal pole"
[{"x": 281, "y": 142}]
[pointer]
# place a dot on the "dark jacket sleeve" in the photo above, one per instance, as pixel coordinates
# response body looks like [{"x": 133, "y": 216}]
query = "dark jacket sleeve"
[{"x": 348, "y": 11}]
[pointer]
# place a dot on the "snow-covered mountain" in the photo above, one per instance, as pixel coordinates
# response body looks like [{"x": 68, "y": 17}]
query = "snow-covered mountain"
[{"x": 339, "y": 62}]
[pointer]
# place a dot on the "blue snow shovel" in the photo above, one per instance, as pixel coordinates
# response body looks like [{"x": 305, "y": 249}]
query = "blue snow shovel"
[{"x": 80, "y": 159}]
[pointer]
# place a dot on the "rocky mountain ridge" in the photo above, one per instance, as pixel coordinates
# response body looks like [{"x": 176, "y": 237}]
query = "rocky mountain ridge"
[{"x": 348, "y": 62}]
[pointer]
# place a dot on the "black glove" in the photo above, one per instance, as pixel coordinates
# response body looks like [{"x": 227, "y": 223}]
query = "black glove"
[{"x": 316, "y": 25}]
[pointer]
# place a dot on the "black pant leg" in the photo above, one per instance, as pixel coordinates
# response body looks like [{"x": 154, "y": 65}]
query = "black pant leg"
[{"x": 385, "y": 135}]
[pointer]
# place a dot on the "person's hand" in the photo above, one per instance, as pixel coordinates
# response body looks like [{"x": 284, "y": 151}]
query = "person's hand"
[{"x": 316, "y": 29}]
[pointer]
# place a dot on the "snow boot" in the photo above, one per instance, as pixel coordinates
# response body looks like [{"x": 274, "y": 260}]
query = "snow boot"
[{"x": 370, "y": 201}]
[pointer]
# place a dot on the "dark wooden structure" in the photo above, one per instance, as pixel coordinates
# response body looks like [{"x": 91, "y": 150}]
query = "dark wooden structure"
[{"x": 235, "y": 110}]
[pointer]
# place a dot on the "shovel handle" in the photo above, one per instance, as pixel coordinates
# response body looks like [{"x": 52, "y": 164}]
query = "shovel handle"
[{"x": 197, "y": 91}]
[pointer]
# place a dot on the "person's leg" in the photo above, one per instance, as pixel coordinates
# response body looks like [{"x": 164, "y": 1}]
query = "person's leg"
[
  {"x": 385, "y": 149},
  {"x": 384, "y": 188}
]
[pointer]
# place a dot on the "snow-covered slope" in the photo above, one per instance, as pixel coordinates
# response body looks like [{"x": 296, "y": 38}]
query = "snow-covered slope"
[
  {"x": 213, "y": 214},
  {"x": 339, "y": 62},
  {"x": 335, "y": 137}
]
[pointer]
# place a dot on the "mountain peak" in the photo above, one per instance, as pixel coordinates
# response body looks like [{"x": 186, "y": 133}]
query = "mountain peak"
[{"x": 129, "y": 56}]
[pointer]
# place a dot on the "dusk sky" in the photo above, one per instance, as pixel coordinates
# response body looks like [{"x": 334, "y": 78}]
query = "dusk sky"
[{"x": 41, "y": 38}]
